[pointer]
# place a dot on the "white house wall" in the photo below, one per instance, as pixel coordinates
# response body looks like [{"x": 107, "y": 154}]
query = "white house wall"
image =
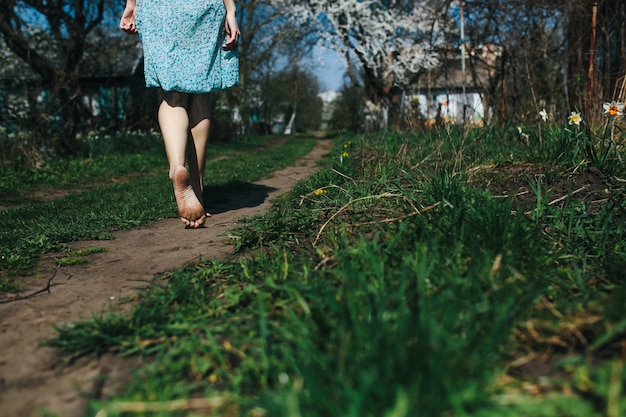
[{"x": 451, "y": 105}]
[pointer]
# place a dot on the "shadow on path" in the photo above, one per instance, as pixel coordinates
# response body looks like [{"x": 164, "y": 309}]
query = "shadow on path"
[{"x": 236, "y": 195}]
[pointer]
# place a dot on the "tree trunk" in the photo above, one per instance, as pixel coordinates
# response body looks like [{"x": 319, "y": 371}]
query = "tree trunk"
[
  {"x": 608, "y": 53},
  {"x": 69, "y": 113}
]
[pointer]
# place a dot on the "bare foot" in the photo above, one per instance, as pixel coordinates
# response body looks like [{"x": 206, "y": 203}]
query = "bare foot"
[{"x": 191, "y": 211}]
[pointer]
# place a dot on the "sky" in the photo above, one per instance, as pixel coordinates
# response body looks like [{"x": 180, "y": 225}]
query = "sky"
[{"x": 329, "y": 68}]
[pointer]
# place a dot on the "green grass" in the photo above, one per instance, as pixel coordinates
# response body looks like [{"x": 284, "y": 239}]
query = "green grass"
[
  {"x": 394, "y": 283},
  {"x": 32, "y": 230},
  {"x": 77, "y": 257},
  {"x": 104, "y": 160}
]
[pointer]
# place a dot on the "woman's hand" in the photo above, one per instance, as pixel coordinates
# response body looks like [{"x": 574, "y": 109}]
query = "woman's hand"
[
  {"x": 232, "y": 32},
  {"x": 127, "y": 23}
]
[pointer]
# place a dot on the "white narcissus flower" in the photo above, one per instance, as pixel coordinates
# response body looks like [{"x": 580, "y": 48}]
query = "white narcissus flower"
[
  {"x": 544, "y": 115},
  {"x": 614, "y": 108}
]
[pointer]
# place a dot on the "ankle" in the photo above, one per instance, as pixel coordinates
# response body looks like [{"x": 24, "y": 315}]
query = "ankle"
[{"x": 173, "y": 170}]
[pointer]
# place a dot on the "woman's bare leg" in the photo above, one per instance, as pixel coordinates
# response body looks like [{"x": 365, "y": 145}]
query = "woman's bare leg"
[
  {"x": 200, "y": 121},
  {"x": 174, "y": 122}
]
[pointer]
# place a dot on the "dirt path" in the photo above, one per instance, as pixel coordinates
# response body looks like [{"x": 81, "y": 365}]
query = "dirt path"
[{"x": 33, "y": 378}]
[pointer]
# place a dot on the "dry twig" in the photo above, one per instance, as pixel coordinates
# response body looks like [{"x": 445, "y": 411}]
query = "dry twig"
[
  {"x": 396, "y": 219},
  {"x": 47, "y": 289},
  {"x": 565, "y": 197},
  {"x": 383, "y": 195}
]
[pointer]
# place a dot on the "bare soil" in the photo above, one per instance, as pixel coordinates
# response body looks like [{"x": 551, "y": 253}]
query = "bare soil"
[
  {"x": 33, "y": 378},
  {"x": 524, "y": 182}
]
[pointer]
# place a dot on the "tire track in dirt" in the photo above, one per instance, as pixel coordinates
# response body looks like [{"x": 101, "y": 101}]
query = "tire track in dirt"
[{"x": 34, "y": 378}]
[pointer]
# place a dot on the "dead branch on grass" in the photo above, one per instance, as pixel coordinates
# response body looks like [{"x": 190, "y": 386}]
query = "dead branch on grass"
[
  {"x": 373, "y": 197},
  {"x": 565, "y": 197},
  {"x": 47, "y": 289},
  {"x": 396, "y": 219},
  {"x": 342, "y": 174}
]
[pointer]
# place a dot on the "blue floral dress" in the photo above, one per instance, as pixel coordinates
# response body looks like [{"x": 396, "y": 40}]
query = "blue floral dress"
[{"x": 182, "y": 45}]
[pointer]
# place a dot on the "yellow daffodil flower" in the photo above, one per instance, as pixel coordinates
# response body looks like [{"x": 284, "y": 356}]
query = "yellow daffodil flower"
[{"x": 575, "y": 118}]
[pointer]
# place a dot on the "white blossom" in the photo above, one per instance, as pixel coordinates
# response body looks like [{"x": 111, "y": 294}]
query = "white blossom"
[{"x": 393, "y": 43}]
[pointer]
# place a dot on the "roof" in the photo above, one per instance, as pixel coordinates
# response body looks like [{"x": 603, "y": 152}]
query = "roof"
[
  {"x": 480, "y": 67},
  {"x": 119, "y": 56},
  {"x": 113, "y": 58}
]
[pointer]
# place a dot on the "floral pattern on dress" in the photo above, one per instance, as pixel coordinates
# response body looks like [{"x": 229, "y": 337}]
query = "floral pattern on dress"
[{"x": 182, "y": 46}]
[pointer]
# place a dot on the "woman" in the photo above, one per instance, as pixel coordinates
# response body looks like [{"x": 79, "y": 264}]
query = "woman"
[{"x": 190, "y": 50}]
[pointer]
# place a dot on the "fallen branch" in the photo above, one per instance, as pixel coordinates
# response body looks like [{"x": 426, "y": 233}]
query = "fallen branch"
[
  {"x": 384, "y": 195},
  {"x": 565, "y": 197},
  {"x": 396, "y": 219},
  {"x": 521, "y": 193},
  {"x": 47, "y": 289}
]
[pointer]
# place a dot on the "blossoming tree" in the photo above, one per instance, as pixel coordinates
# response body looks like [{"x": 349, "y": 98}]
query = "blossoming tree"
[{"x": 385, "y": 42}]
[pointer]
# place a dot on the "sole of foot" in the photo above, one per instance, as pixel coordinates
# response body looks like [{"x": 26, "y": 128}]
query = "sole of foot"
[{"x": 192, "y": 214}]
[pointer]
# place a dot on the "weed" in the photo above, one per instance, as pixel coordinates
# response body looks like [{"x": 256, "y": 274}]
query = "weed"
[{"x": 69, "y": 261}]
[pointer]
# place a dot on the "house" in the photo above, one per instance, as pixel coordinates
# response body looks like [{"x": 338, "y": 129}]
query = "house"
[
  {"x": 111, "y": 80},
  {"x": 451, "y": 94},
  {"x": 112, "y": 87}
]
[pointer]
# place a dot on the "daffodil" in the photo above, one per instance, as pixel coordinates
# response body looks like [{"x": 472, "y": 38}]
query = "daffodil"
[
  {"x": 544, "y": 115},
  {"x": 319, "y": 191},
  {"x": 575, "y": 118},
  {"x": 522, "y": 135},
  {"x": 345, "y": 154},
  {"x": 614, "y": 108}
]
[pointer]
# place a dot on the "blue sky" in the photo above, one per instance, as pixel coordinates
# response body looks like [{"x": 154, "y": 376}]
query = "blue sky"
[{"x": 330, "y": 71}]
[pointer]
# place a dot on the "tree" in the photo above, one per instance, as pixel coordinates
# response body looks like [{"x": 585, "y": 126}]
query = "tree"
[
  {"x": 269, "y": 48},
  {"x": 529, "y": 36},
  {"x": 554, "y": 56},
  {"x": 56, "y": 57},
  {"x": 596, "y": 60},
  {"x": 302, "y": 105},
  {"x": 345, "y": 114},
  {"x": 384, "y": 43}
]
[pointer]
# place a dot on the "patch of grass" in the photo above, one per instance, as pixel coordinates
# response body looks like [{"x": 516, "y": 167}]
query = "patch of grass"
[
  {"x": 77, "y": 257},
  {"x": 69, "y": 261},
  {"x": 104, "y": 159},
  {"x": 89, "y": 250}
]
